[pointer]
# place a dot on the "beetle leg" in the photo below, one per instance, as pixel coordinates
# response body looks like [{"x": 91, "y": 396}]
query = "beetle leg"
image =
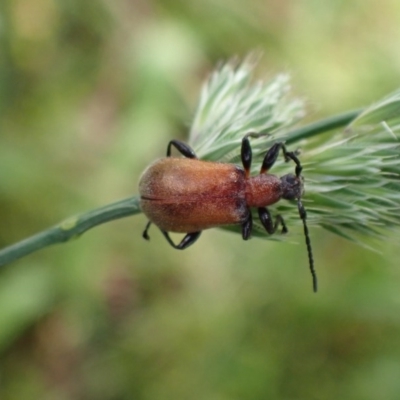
[
  {"x": 247, "y": 227},
  {"x": 246, "y": 155},
  {"x": 266, "y": 220},
  {"x": 183, "y": 148},
  {"x": 291, "y": 155},
  {"x": 146, "y": 230},
  {"x": 272, "y": 155},
  {"x": 187, "y": 241}
]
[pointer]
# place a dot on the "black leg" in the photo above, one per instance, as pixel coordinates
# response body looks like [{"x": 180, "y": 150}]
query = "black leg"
[
  {"x": 266, "y": 220},
  {"x": 246, "y": 153},
  {"x": 291, "y": 155},
  {"x": 183, "y": 148},
  {"x": 187, "y": 241},
  {"x": 146, "y": 231},
  {"x": 247, "y": 227},
  {"x": 272, "y": 155}
]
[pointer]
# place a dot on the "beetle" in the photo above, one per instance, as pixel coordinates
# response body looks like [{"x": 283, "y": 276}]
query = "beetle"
[{"x": 188, "y": 195}]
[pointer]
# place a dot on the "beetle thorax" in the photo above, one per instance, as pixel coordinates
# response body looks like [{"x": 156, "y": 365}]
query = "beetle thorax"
[{"x": 263, "y": 190}]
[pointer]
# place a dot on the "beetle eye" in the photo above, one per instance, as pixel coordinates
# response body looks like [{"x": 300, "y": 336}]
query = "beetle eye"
[{"x": 290, "y": 179}]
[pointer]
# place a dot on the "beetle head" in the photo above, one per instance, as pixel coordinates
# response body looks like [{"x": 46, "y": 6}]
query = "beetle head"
[{"x": 292, "y": 187}]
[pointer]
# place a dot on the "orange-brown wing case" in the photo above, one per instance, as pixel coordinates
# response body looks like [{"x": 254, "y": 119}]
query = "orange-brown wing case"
[{"x": 189, "y": 195}]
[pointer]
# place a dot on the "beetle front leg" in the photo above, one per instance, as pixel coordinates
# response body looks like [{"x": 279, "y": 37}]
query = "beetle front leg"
[
  {"x": 266, "y": 220},
  {"x": 272, "y": 155},
  {"x": 183, "y": 148},
  {"x": 187, "y": 241},
  {"x": 246, "y": 153}
]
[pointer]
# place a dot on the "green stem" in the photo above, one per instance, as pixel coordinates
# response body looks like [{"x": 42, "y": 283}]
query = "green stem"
[
  {"x": 322, "y": 126},
  {"x": 70, "y": 228},
  {"x": 75, "y": 226}
]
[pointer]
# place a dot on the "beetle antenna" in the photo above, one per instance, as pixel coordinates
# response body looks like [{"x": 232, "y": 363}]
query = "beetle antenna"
[{"x": 303, "y": 216}]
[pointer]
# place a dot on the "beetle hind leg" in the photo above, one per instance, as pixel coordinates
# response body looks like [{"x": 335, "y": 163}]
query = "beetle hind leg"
[
  {"x": 146, "y": 231},
  {"x": 187, "y": 241}
]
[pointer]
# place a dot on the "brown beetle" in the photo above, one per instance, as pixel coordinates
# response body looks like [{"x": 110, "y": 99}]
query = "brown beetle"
[{"x": 189, "y": 195}]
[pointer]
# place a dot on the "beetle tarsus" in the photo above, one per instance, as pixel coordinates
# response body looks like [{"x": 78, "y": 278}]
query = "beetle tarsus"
[
  {"x": 187, "y": 241},
  {"x": 291, "y": 155},
  {"x": 146, "y": 230},
  {"x": 284, "y": 230}
]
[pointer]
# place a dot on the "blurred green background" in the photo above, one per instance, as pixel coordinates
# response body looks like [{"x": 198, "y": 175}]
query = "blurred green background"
[{"x": 91, "y": 92}]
